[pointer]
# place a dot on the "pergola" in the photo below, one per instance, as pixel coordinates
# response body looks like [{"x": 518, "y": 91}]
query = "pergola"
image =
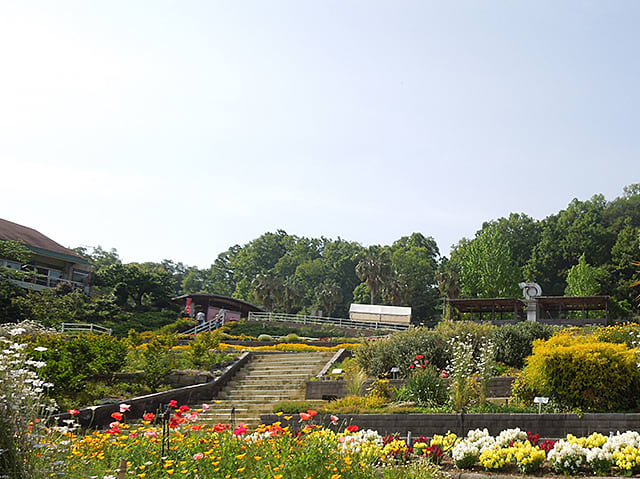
[
  {"x": 481, "y": 306},
  {"x": 553, "y": 307},
  {"x": 549, "y": 308}
]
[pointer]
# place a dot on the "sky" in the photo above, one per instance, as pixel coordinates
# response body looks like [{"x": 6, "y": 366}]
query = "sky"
[{"x": 175, "y": 130}]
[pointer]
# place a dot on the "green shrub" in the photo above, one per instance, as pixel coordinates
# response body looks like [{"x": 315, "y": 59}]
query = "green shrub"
[
  {"x": 178, "y": 326},
  {"x": 256, "y": 329},
  {"x": 201, "y": 352},
  {"x": 514, "y": 342},
  {"x": 141, "y": 321},
  {"x": 383, "y": 389},
  {"x": 157, "y": 360},
  {"x": 581, "y": 372},
  {"x": 265, "y": 337},
  {"x": 377, "y": 357},
  {"x": 478, "y": 332},
  {"x": 290, "y": 338},
  {"x": 425, "y": 387},
  {"x": 72, "y": 361}
]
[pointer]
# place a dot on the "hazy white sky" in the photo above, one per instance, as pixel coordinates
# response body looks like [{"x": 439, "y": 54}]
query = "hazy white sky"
[{"x": 175, "y": 130}]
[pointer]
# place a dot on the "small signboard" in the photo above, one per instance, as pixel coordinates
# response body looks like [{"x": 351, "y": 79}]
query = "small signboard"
[{"x": 540, "y": 401}]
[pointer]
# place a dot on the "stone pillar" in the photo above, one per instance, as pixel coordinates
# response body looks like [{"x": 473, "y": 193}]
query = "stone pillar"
[{"x": 532, "y": 310}]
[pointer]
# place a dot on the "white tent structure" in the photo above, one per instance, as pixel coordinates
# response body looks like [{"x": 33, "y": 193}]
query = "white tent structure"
[{"x": 373, "y": 313}]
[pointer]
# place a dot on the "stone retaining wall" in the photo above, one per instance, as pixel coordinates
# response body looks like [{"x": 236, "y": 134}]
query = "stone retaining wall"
[
  {"x": 547, "y": 425},
  {"x": 100, "y": 416},
  {"x": 331, "y": 389}
]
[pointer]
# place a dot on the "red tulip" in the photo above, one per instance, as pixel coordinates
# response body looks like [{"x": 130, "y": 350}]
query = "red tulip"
[{"x": 149, "y": 416}]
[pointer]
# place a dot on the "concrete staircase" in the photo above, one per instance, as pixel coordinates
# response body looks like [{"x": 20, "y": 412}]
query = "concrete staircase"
[{"x": 266, "y": 380}]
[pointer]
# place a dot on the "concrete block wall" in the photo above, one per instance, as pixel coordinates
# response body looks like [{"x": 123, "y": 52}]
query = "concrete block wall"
[
  {"x": 551, "y": 426},
  {"x": 330, "y": 389}
]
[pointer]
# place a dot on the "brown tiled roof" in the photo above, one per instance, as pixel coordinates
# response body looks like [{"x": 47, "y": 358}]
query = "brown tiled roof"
[{"x": 32, "y": 238}]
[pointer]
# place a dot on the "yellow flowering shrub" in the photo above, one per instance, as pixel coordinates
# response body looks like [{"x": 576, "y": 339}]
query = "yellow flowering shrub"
[{"x": 581, "y": 372}]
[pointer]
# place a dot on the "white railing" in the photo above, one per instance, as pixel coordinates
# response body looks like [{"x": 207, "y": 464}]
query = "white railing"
[
  {"x": 85, "y": 328},
  {"x": 210, "y": 325},
  {"x": 322, "y": 321}
]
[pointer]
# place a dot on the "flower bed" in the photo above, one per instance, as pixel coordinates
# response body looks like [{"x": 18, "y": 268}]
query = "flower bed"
[{"x": 295, "y": 447}]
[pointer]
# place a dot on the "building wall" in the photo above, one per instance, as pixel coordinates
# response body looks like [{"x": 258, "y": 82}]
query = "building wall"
[{"x": 380, "y": 318}]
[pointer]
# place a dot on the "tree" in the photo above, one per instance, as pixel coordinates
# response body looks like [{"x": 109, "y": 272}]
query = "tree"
[
  {"x": 52, "y": 307},
  {"x": 266, "y": 290},
  {"x": 637, "y": 283},
  {"x": 137, "y": 285},
  {"x": 194, "y": 281},
  {"x": 486, "y": 267},
  {"x": 99, "y": 258},
  {"x": 448, "y": 280},
  {"x": 520, "y": 232},
  {"x": 287, "y": 294},
  {"x": 584, "y": 279},
  {"x": 412, "y": 276},
  {"x": 329, "y": 295},
  {"x": 373, "y": 269},
  {"x": 14, "y": 251},
  {"x": 580, "y": 229}
]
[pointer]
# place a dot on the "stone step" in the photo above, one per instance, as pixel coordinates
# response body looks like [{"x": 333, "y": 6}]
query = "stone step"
[
  {"x": 266, "y": 380},
  {"x": 289, "y": 362},
  {"x": 270, "y": 379},
  {"x": 265, "y": 397},
  {"x": 283, "y": 378},
  {"x": 283, "y": 367},
  {"x": 266, "y": 386},
  {"x": 287, "y": 367}
]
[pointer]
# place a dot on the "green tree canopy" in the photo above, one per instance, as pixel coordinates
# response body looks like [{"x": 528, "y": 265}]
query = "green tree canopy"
[
  {"x": 584, "y": 279},
  {"x": 486, "y": 267}
]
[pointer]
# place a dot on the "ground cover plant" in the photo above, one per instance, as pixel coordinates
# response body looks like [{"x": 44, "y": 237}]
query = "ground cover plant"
[{"x": 256, "y": 329}]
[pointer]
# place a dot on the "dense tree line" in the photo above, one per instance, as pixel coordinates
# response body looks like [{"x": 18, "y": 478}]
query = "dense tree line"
[
  {"x": 586, "y": 249},
  {"x": 289, "y": 273}
]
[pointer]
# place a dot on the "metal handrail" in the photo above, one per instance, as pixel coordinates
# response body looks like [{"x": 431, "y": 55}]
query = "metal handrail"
[
  {"x": 85, "y": 327},
  {"x": 324, "y": 321}
]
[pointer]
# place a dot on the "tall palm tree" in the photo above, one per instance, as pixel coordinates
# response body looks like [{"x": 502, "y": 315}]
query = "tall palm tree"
[
  {"x": 373, "y": 268},
  {"x": 395, "y": 288},
  {"x": 329, "y": 295},
  {"x": 265, "y": 288},
  {"x": 289, "y": 296}
]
